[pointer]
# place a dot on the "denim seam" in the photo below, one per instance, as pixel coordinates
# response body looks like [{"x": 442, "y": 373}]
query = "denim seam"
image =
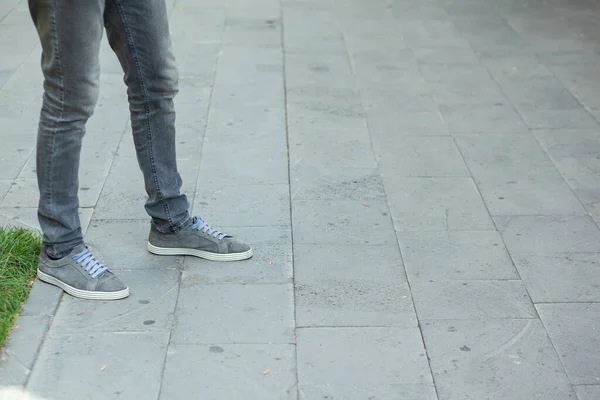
[
  {"x": 146, "y": 106},
  {"x": 62, "y": 104}
]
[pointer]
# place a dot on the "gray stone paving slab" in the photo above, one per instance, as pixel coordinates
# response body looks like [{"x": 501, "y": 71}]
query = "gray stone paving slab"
[
  {"x": 264, "y": 32},
  {"x": 526, "y": 70},
  {"x": 320, "y": 92},
  {"x": 15, "y": 149},
  {"x": 534, "y": 97},
  {"x": 97, "y": 154},
  {"x": 149, "y": 308},
  {"x": 551, "y": 196},
  {"x": 455, "y": 87},
  {"x": 271, "y": 262},
  {"x": 196, "y": 59},
  {"x": 323, "y": 114},
  {"x": 425, "y": 32},
  {"x": 4, "y": 188},
  {"x": 569, "y": 60},
  {"x": 234, "y": 92},
  {"x": 380, "y": 58},
  {"x": 552, "y": 278},
  {"x": 123, "y": 195},
  {"x": 324, "y": 183},
  {"x": 587, "y": 392},
  {"x": 389, "y": 100},
  {"x": 105, "y": 364},
  {"x": 326, "y": 150},
  {"x": 247, "y": 121},
  {"x": 575, "y": 331},
  {"x": 549, "y": 234},
  {"x": 115, "y": 118},
  {"x": 487, "y": 28},
  {"x": 419, "y": 157},
  {"x": 454, "y": 98},
  {"x": 7, "y": 7},
  {"x": 194, "y": 92},
  {"x": 16, "y": 49},
  {"x": 188, "y": 22},
  {"x": 350, "y": 285},
  {"x": 363, "y": 356},
  {"x": 454, "y": 299},
  {"x": 21, "y": 349},
  {"x": 503, "y": 359},
  {"x": 574, "y": 153},
  {"x": 22, "y": 193},
  {"x": 397, "y": 74},
  {"x": 109, "y": 63},
  {"x": 456, "y": 255},
  {"x": 263, "y": 205},
  {"x": 436, "y": 204},
  {"x": 332, "y": 71},
  {"x": 20, "y": 113},
  {"x": 323, "y": 37},
  {"x": 234, "y": 313},
  {"x": 559, "y": 119},
  {"x": 399, "y": 123},
  {"x": 230, "y": 371},
  {"x": 42, "y": 301},
  {"x": 195, "y": 118},
  {"x": 122, "y": 244},
  {"x": 319, "y": 111},
  {"x": 446, "y": 55},
  {"x": 28, "y": 216},
  {"x": 4, "y": 77},
  {"x": 374, "y": 391},
  {"x": 581, "y": 173},
  {"x": 578, "y": 143},
  {"x": 581, "y": 82},
  {"x": 505, "y": 158},
  {"x": 240, "y": 161},
  {"x": 341, "y": 222},
  {"x": 493, "y": 118}
]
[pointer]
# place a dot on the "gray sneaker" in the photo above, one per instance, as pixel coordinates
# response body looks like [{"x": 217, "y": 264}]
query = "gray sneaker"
[
  {"x": 81, "y": 275},
  {"x": 199, "y": 240}
]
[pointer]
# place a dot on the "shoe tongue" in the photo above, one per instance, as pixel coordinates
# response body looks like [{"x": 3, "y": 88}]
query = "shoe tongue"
[{"x": 79, "y": 249}]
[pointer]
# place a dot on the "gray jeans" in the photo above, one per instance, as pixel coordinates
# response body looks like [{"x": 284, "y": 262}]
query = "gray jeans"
[{"x": 70, "y": 33}]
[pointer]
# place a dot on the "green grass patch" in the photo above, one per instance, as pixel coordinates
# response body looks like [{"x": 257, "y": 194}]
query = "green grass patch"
[{"x": 19, "y": 251}]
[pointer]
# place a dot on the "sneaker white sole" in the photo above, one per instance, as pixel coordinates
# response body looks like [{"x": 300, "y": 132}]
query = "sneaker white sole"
[
  {"x": 83, "y": 294},
  {"x": 166, "y": 251}
]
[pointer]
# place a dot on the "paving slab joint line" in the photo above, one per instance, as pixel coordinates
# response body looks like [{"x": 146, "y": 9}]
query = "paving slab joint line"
[
  {"x": 495, "y": 224},
  {"x": 486, "y": 206},
  {"x": 588, "y": 214},
  {"x": 551, "y": 69},
  {"x": 164, "y": 363},
  {"x": 290, "y": 195},
  {"x": 373, "y": 152},
  {"x": 45, "y": 335},
  {"x": 560, "y": 359}
]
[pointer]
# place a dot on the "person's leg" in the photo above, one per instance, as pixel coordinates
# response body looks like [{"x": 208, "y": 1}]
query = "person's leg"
[
  {"x": 138, "y": 32},
  {"x": 70, "y": 34}
]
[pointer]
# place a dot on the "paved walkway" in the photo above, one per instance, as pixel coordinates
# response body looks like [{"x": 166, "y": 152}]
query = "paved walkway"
[{"x": 420, "y": 180}]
